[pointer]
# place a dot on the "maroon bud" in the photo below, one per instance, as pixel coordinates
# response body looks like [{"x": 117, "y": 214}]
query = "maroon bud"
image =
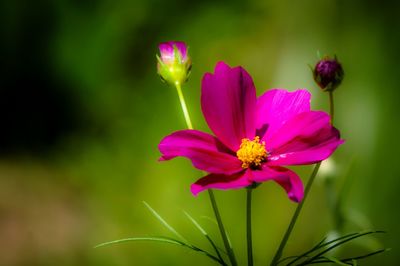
[{"x": 328, "y": 73}]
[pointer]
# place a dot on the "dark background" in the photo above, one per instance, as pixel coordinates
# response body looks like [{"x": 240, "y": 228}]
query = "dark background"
[{"x": 82, "y": 111}]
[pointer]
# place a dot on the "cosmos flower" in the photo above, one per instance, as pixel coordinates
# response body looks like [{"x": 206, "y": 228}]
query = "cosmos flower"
[
  {"x": 174, "y": 63},
  {"x": 254, "y": 137}
]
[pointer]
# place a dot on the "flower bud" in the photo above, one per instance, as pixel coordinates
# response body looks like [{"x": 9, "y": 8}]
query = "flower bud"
[
  {"x": 174, "y": 63},
  {"x": 328, "y": 73}
]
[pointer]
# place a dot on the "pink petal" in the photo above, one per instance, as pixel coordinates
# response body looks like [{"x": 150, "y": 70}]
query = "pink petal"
[
  {"x": 220, "y": 181},
  {"x": 228, "y": 102},
  {"x": 167, "y": 51},
  {"x": 288, "y": 179},
  {"x": 277, "y": 106},
  {"x": 182, "y": 48},
  {"x": 205, "y": 151},
  {"x": 305, "y": 139}
]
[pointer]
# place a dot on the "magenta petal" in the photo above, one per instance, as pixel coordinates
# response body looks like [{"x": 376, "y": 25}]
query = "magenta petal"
[
  {"x": 182, "y": 48},
  {"x": 305, "y": 139},
  {"x": 167, "y": 51},
  {"x": 277, "y": 106},
  {"x": 205, "y": 151},
  {"x": 228, "y": 101},
  {"x": 220, "y": 181},
  {"x": 288, "y": 179}
]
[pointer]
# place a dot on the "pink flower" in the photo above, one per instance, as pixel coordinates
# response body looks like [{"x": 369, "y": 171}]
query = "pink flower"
[
  {"x": 254, "y": 137},
  {"x": 174, "y": 63}
]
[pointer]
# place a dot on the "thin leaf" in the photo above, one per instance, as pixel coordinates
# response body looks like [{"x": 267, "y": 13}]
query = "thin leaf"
[
  {"x": 227, "y": 235},
  {"x": 336, "y": 261},
  {"x": 205, "y": 253},
  {"x": 288, "y": 258},
  {"x": 338, "y": 239},
  {"x": 209, "y": 219},
  {"x": 170, "y": 228},
  {"x": 338, "y": 244},
  {"x": 195, "y": 223},
  {"x": 164, "y": 240},
  {"x": 367, "y": 255},
  {"x": 155, "y": 239},
  {"x": 321, "y": 244},
  {"x": 347, "y": 240},
  {"x": 353, "y": 259},
  {"x": 317, "y": 246},
  {"x": 206, "y": 235}
]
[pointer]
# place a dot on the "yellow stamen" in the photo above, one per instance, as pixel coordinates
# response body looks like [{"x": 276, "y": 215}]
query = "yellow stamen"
[{"x": 252, "y": 152}]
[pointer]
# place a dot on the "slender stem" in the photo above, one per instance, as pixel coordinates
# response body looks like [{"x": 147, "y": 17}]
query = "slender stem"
[
  {"x": 285, "y": 238},
  {"x": 331, "y": 106},
  {"x": 310, "y": 181},
  {"x": 227, "y": 245},
  {"x": 183, "y": 105},
  {"x": 248, "y": 225}
]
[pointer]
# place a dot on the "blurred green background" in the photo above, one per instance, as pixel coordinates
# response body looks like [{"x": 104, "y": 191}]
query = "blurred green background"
[{"x": 82, "y": 111}]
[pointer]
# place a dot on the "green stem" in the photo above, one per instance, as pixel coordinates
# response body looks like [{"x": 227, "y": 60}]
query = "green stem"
[
  {"x": 310, "y": 181},
  {"x": 289, "y": 230},
  {"x": 333, "y": 198},
  {"x": 331, "y": 106},
  {"x": 183, "y": 105},
  {"x": 248, "y": 225},
  {"x": 227, "y": 245}
]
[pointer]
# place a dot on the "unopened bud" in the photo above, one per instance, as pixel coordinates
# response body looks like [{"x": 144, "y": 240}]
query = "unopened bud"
[
  {"x": 328, "y": 74},
  {"x": 174, "y": 63}
]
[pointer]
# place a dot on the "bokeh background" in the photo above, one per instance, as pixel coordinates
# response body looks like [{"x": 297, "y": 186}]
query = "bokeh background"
[{"x": 82, "y": 111}]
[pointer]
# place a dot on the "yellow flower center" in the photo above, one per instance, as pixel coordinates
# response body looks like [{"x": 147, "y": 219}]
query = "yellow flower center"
[{"x": 252, "y": 152}]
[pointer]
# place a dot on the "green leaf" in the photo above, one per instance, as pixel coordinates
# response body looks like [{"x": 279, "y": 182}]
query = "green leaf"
[
  {"x": 309, "y": 259},
  {"x": 216, "y": 224},
  {"x": 316, "y": 258},
  {"x": 366, "y": 255},
  {"x": 170, "y": 228},
  {"x": 336, "y": 261},
  {"x": 195, "y": 223},
  {"x": 297, "y": 258},
  {"x": 290, "y": 257},
  {"x": 206, "y": 235},
  {"x": 163, "y": 240},
  {"x": 321, "y": 244},
  {"x": 184, "y": 241},
  {"x": 353, "y": 260},
  {"x": 344, "y": 241},
  {"x": 150, "y": 238},
  {"x": 210, "y": 219}
]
